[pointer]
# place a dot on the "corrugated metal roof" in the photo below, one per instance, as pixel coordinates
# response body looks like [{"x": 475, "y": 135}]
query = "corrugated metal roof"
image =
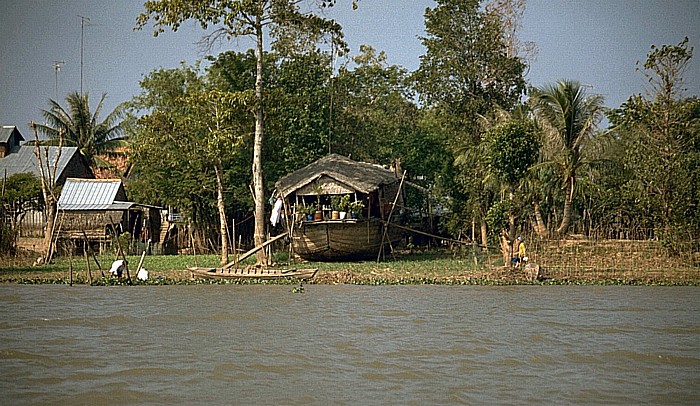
[
  {"x": 24, "y": 160},
  {"x": 91, "y": 194}
]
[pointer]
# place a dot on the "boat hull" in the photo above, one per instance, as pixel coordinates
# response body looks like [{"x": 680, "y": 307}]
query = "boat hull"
[
  {"x": 348, "y": 240},
  {"x": 252, "y": 273}
]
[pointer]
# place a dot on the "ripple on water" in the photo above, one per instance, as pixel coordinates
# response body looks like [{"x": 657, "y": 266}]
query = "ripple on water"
[{"x": 349, "y": 345}]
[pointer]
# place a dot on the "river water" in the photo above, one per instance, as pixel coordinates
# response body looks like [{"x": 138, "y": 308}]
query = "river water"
[{"x": 349, "y": 345}]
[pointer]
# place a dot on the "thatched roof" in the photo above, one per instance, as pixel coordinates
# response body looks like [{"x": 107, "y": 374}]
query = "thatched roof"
[{"x": 360, "y": 176}]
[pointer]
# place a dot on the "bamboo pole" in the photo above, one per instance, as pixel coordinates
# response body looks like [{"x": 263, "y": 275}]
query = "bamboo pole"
[
  {"x": 388, "y": 219},
  {"x": 119, "y": 246},
  {"x": 70, "y": 267},
  {"x": 87, "y": 264},
  {"x": 87, "y": 244}
]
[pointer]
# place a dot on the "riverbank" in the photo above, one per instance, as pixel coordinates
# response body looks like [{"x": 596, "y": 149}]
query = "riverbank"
[
  {"x": 565, "y": 262},
  {"x": 438, "y": 270}
]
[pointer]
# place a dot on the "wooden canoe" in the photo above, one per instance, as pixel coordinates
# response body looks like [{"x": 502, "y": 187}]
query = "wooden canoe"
[{"x": 251, "y": 273}]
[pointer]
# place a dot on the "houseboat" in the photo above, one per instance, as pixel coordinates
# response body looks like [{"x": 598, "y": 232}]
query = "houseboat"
[{"x": 342, "y": 210}]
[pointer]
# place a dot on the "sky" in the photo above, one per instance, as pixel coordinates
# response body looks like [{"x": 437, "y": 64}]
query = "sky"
[{"x": 596, "y": 42}]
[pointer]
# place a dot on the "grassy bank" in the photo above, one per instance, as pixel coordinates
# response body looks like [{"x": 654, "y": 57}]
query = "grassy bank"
[{"x": 444, "y": 268}]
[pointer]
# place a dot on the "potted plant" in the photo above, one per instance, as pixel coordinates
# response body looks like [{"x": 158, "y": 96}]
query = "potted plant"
[
  {"x": 355, "y": 208},
  {"x": 307, "y": 212},
  {"x": 340, "y": 205},
  {"x": 344, "y": 206}
]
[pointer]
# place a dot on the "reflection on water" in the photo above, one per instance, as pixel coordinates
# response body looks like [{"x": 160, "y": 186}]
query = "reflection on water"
[{"x": 349, "y": 345}]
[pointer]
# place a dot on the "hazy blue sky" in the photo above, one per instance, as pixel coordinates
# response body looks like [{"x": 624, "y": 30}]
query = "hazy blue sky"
[{"x": 596, "y": 42}]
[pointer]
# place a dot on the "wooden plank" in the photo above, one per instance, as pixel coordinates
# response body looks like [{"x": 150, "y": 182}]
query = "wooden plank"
[{"x": 254, "y": 250}]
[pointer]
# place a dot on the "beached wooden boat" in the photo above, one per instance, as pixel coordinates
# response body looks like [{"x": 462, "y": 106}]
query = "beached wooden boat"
[
  {"x": 372, "y": 193},
  {"x": 251, "y": 273},
  {"x": 347, "y": 240}
]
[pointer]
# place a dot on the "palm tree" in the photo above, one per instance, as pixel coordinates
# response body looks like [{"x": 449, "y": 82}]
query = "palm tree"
[
  {"x": 571, "y": 117},
  {"x": 82, "y": 129}
]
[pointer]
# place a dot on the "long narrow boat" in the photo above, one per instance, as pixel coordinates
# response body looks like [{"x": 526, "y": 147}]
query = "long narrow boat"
[{"x": 251, "y": 273}]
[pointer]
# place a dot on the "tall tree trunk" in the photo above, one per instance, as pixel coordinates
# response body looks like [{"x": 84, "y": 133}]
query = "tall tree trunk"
[
  {"x": 506, "y": 247},
  {"x": 258, "y": 186},
  {"x": 507, "y": 236},
  {"x": 50, "y": 211},
  {"x": 568, "y": 207},
  {"x": 484, "y": 235},
  {"x": 48, "y": 183},
  {"x": 540, "y": 225},
  {"x": 222, "y": 213}
]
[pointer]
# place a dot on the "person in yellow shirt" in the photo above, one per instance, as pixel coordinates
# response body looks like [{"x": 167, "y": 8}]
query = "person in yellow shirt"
[{"x": 519, "y": 246}]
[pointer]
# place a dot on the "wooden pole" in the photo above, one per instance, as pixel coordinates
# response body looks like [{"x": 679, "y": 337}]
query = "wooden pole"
[
  {"x": 388, "y": 219},
  {"x": 87, "y": 245},
  {"x": 119, "y": 246},
  {"x": 253, "y": 251},
  {"x": 70, "y": 266},
  {"x": 87, "y": 264}
]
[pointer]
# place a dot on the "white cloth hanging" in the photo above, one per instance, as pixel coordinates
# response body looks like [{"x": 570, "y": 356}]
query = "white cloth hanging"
[{"x": 276, "y": 212}]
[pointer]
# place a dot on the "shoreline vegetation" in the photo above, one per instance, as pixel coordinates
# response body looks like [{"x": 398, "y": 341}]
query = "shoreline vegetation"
[{"x": 568, "y": 262}]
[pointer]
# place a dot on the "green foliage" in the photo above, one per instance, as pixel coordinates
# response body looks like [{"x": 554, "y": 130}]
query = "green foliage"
[
  {"x": 466, "y": 73},
  {"x": 513, "y": 149},
  {"x": 81, "y": 128},
  {"x": 340, "y": 202},
  {"x": 661, "y": 187},
  {"x": 466, "y": 68},
  {"x": 569, "y": 117},
  {"x": 498, "y": 214},
  {"x": 21, "y": 193},
  {"x": 8, "y": 239},
  {"x": 165, "y": 170},
  {"x": 297, "y": 108},
  {"x": 374, "y": 117}
]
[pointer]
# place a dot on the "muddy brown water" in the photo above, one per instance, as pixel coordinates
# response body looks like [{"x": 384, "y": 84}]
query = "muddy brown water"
[{"x": 349, "y": 345}]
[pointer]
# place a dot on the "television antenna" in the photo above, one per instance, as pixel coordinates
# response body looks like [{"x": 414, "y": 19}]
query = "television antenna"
[
  {"x": 57, "y": 68},
  {"x": 82, "y": 47}
]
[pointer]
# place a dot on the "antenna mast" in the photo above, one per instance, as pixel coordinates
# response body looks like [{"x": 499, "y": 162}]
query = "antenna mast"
[
  {"x": 82, "y": 46},
  {"x": 57, "y": 67}
]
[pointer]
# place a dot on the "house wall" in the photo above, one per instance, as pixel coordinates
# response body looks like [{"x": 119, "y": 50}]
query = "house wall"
[
  {"x": 94, "y": 224},
  {"x": 32, "y": 224}
]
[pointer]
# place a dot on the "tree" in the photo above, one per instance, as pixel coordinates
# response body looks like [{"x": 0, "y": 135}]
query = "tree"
[
  {"x": 165, "y": 169},
  {"x": 374, "y": 115},
  {"x": 242, "y": 18},
  {"x": 47, "y": 170},
  {"x": 660, "y": 134},
  {"x": 298, "y": 110},
  {"x": 21, "y": 194},
  {"x": 570, "y": 117},
  {"x": 81, "y": 127},
  {"x": 466, "y": 73},
  {"x": 513, "y": 148},
  {"x": 467, "y": 68},
  {"x": 190, "y": 134},
  {"x": 215, "y": 117}
]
